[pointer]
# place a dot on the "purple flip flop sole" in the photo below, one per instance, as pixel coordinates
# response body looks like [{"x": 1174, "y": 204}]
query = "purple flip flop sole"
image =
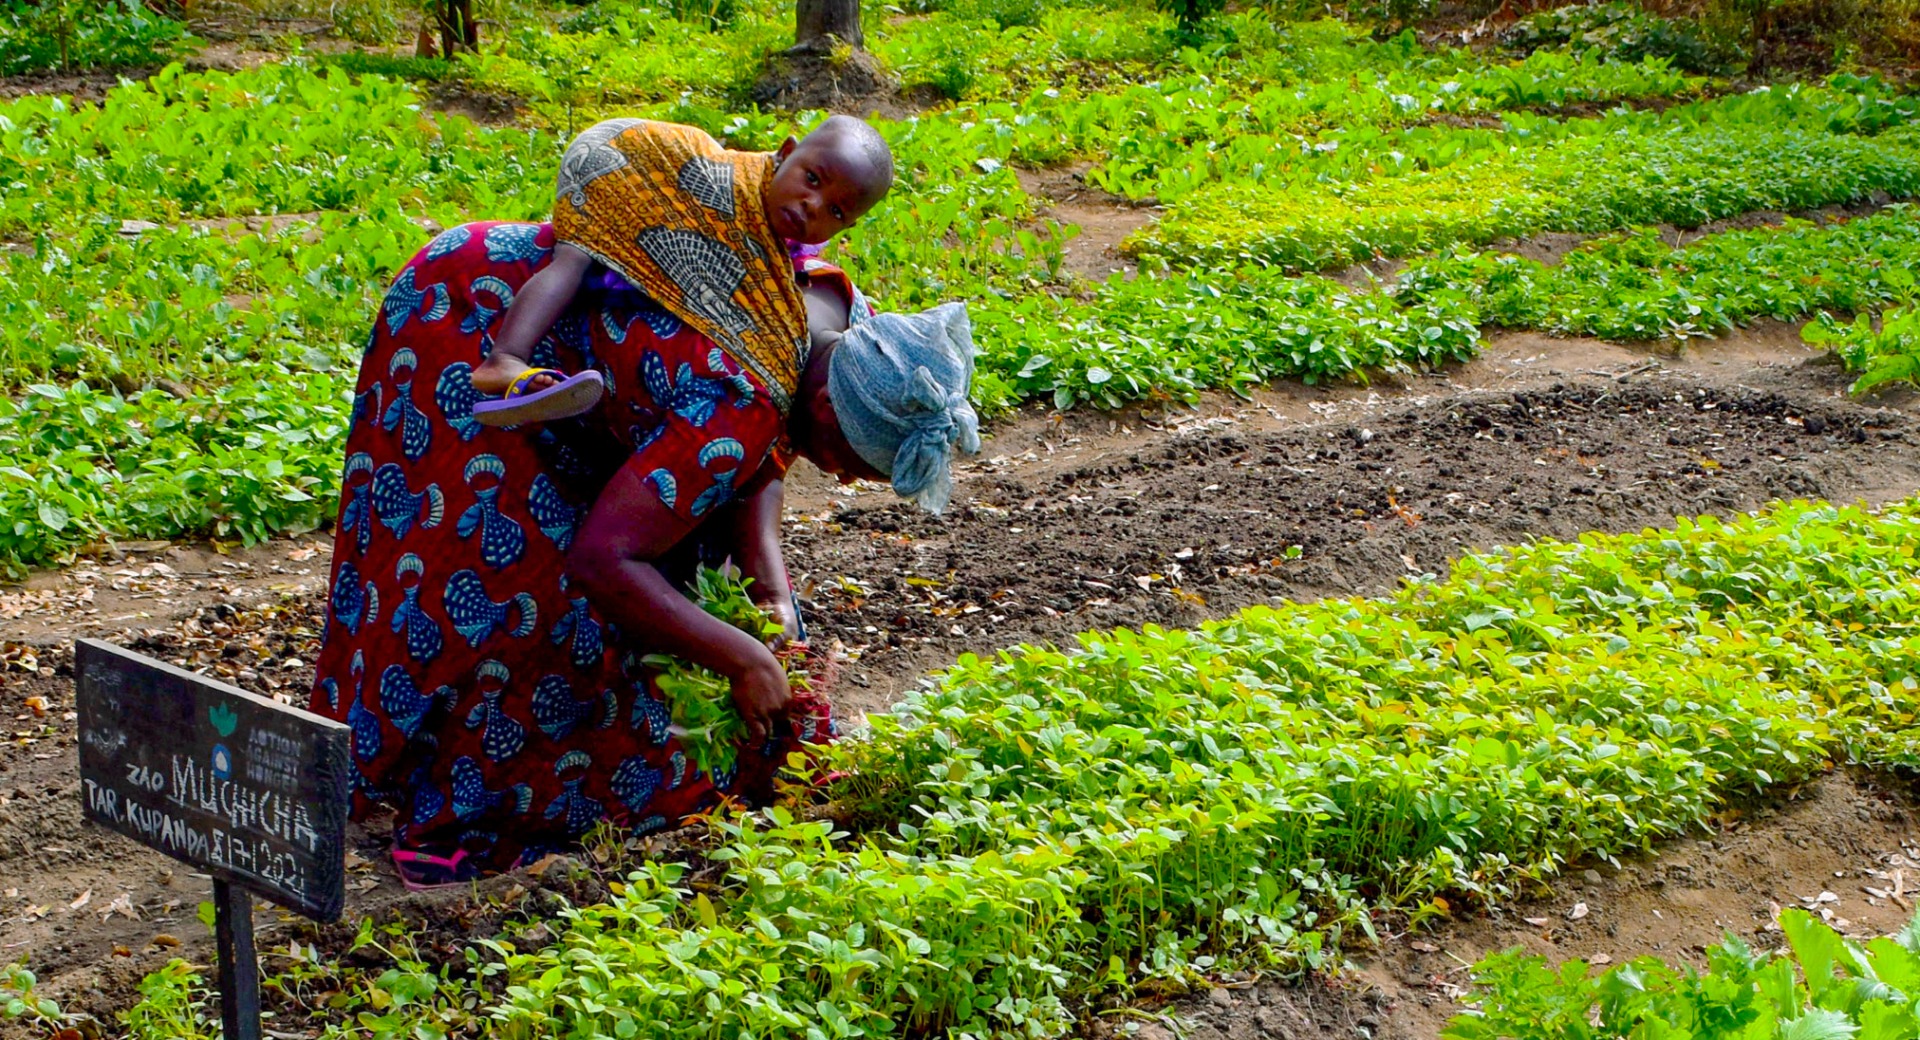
[{"x": 569, "y": 397}]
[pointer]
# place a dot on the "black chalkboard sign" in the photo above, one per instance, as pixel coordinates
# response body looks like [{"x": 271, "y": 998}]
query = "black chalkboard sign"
[{"x": 250, "y": 791}]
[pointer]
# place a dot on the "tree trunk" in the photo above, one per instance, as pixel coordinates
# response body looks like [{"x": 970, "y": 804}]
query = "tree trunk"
[
  {"x": 457, "y": 26},
  {"x": 818, "y": 23}
]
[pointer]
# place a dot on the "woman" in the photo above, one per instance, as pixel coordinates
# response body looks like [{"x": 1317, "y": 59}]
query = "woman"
[{"x": 494, "y": 590}]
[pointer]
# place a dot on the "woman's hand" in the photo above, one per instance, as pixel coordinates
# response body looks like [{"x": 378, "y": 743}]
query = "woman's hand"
[
  {"x": 627, "y": 528},
  {"x": 781, "y": 609},
  {"x": 760, "y": 694}
]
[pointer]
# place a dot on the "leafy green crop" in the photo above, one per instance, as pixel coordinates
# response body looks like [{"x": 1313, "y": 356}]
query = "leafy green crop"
[
  {"x": 1623, "y": 32},
  {"x": 19, "y": 1001},
  {"x": 1167, "y": 338},
  {"x": 1826, "y": 987},
  {"x": 185, "y": 302},
  {"x": 74, "y": 34},
  {"x": 701, "y": 701},
  {"x": 1682, "y": 174},
  {"x": 1888, "y": 354},
  {"x": 205, "y": 307},
  {"x": 1142, "y": 808},
  {"x": 260, "y": 457},
  {"x": 1634, "y": 286},
  {"x": 270, "y": 139}
]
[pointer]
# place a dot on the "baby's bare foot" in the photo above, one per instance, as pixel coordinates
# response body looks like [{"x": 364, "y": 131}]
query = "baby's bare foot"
[{"x": 495, "y": 376}]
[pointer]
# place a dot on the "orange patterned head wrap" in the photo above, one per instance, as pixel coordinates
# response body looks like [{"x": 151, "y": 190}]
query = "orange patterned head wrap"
[{"x": 683, "y": 219}]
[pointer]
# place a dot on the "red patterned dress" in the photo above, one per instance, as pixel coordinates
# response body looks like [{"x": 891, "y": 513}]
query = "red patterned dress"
[{"x": 492, "y": 705}]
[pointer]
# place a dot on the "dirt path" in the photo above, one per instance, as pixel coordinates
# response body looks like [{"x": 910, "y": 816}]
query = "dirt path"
[{"x": 1067, "y": 523}]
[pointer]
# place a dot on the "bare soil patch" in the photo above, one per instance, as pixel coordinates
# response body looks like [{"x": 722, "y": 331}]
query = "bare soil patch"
[
  {"x": 1104, "y": 219},
  {"x": 1067, "y": 523}
]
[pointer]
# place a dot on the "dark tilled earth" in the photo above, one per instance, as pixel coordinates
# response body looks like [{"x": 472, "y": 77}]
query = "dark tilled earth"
[
  {"x": 1071, "y": 524},
  {"x": 1196, "y": 525}
]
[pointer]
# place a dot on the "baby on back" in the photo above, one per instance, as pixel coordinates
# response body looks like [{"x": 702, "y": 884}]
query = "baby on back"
[{"x": 707, "y": 232}]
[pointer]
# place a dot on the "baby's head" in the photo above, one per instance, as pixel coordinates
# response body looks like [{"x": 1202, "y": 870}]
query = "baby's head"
[{"x": 828, "y": 180}]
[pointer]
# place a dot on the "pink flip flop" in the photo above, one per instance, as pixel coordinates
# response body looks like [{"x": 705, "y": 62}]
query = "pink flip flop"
[
  {"x": 423, "y": 872},
  {"x": 570, "y": 395}
]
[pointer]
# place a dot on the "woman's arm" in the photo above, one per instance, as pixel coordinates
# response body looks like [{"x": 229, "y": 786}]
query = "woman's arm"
[
  {"x": 754, "y": 526},
  {"x": 827, "y": 312},
  {"x": 610, "y": 562}
]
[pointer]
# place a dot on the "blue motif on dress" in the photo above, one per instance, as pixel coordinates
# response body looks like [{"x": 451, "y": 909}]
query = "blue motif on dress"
[
  {"x": 634, "y": 783},
  {"x": 366, "y": 729},
  {"x": 471, "y": 797},
  {"x": 477, "y": 616},
  {"x": 448, "y": 241},
  {"x": 401, "y": 699},
  {"x": 354, "y": 604},
  {"x": 643, "y": 438},
  {"x": 510, "y": 242},
  {"x": 664, "y": 323},
  {"x": 558, "y": 714},
  {"x": 579, "y": 810},
  {"x": 455, "y": 396},
  {"x": 365, "y": 406},
  {"x": 642, "y": 828},
  {"x": 502, "y": 540},
  {"x": 405, "y": 299},
  {"x": 501, "y": 735},
  {"x": 580, "y": 630},
  {"x": 400, "y": 508},
  {"x": 615, "y": 328},
  {"x": 556, "y": 516},
  {"x": 424, "y": 638},
  {"x": 650, "y": 713},
  {"x": 691, "y": 396},
  {"x": 680, "y": 770},
  {"x": 356, "y": 513},
  {"x": 483, "y": 315},
  {"x": 478, "y": 843},
  {"x": 569, "y": 332},
  {"x": 572, "y": 330},
  {"x": 665, "y": 486},
  {"x": 563, "y": 456},
  {"x": 721, "y": 492},
  {"x": 723, "y": 778},
  {"x": 416, "y": 430},
  {"x": 332, "y": 689},
  {"x": 427, "y": 798}
]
